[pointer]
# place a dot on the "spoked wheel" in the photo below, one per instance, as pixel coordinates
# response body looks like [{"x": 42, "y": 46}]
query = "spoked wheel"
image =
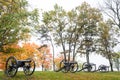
[
  {"x": 89, "y": 67},
  {"x": 93, "y": 67},
  {"x": 29, "y": 67},
  {"x": 74, "y": 67},
  {"x": 103, "y": 68},
  {"x": 85, "y": 67},
  {"x": 11, "y": 67},
  {"x": 63, "y": 66}
]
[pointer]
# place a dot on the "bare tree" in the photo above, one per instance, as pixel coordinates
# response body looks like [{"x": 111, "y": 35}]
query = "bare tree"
[{"x": 112, "y": 9}]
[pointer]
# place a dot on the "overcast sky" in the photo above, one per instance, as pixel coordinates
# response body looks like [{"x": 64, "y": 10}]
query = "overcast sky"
[{"x": 66, "y": 4}]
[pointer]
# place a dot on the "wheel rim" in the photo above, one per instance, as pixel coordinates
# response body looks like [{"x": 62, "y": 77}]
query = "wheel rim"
[
  {"x": 11, "y": 67},
  {"x": 62, "y": 65},
  {"x": 74, "y": 67},
  {"x": 91, "y": 67},
  {"x": 29, "y": 67},
  {"x": 84, "y": 67}
]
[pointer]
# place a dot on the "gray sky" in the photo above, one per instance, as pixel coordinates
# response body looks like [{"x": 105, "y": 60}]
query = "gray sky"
[{"x": 66, "y": 4}]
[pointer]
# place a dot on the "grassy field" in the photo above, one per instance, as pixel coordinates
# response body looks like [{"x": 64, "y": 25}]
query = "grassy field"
[{"x": 64, "y": 76}]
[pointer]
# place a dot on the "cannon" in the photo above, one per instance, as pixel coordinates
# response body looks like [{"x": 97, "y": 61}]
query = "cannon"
[
  {"x": 66, "y": 66},
  {"x": 12, "y": 65},
  {"x": 91, "y": 67},
  {"x": 103, "y": 68}
]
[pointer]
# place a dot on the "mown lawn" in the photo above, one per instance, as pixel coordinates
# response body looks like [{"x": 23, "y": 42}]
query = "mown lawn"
[{"x": 64, "y": 76}]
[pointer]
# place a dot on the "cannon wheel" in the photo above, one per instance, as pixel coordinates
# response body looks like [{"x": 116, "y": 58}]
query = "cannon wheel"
[
  {"x": 63, "y": 67},
  {"x": 92, "y": 68},
  {"x": 29, "y": 67},
  {"x": 74, "y": 67},
  {"x": 11, "y": 67},
  {"x": 84, "y": 67}
]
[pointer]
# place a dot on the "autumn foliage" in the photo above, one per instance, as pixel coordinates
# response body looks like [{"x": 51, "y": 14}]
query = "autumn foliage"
[
  {"x": 27, "y": 50},
  {"x": 58, "y": 60},
  {"x": 45, "y": 57}
]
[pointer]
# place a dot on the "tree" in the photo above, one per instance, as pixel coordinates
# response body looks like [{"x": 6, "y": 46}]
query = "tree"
[
  {"x": 63, "y": 28},
  {"x": 67, "y": 28},
  {"x": 44, "y": 35},
  {"x": 107, "y": 41},
  {"x": 112, "y": 9},
  {"x": 15, "y": 21},
  {"x": 88, "y": 19},
  {"x": 54, "y": 22}
]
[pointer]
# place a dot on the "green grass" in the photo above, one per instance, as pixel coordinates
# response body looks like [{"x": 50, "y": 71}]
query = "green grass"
[{"x": 64, "y": 76}]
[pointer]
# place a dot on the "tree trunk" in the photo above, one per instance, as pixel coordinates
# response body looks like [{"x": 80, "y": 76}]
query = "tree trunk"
[
  {"x": 53, "y": 53},
  {"x": 63, "y": 46},
  {"x": 64, "y": 52},
  {"x": 74, "y": 52},
  {"x": 111, "y": 65},
  {"x": 69, "y": 52},
  {"x": 87, "y": 58}
]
